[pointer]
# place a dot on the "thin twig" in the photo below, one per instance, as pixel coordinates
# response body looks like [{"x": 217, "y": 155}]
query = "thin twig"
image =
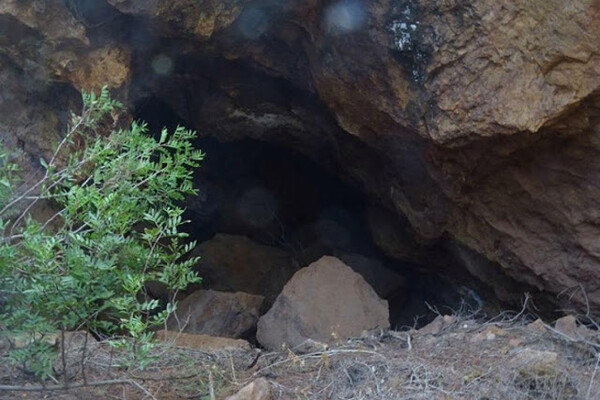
[
  {"x": 143, "y": 389},
  {"x": 63, "y": 356},
  {"x": 589, "y": 391},
  {"x": 41, "y": 388},
  {"x": 83, "y": 351},
  {"x": 166, "y": 378},
  {"x": 319, "y": 355},
  {"x": 211, "y": 385}
]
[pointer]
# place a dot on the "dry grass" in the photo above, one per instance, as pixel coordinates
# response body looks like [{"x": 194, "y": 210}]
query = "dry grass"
[
  {"x": 176, "y": 373},
  {"x": 502, "y": 359},
  {"x": 467, "y": 359}
]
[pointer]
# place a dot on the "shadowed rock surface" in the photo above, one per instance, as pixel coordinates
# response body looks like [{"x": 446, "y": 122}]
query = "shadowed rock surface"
[
  {"x": 235, "y": 263},
  {"x": 208, "y": 312}
]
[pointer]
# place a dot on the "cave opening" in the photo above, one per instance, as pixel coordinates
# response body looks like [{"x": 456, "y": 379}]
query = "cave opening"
[
  {"x": 258, "y": 202},
  {"x": 284, "y": 182}
]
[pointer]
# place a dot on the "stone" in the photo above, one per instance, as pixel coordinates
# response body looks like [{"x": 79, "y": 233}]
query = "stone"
[
  {"x": 157, "y": 290},
  {"x": 531, "y": 363},
  {"x": 52, "y": 18},
  {"x": 310, "y": 346},
  {"x": 537, "y": 326},
  {"x": 107, "y": 66},
  {"x": 515, "y": 342},
  {"x": 567, "y": 325},
  {"x": 449, "y": 319},
  {"x": 325, "y": 301},
  {"x": 201, "y": 342},
  {"x": 436, "y": 326},
  {"x": 397, "y": 239},
  {"x": 489, "y": 333},
  {"x": 385, "y": 282},
  {"x": 236, "y": 263},
  {"x": 259, "y": 389},
  {"x": 208, "y": 312},
  {"x": 199, "y": 18}
]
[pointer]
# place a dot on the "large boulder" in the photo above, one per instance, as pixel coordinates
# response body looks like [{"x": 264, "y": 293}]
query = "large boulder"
[
  {"x": 208, "y": 312},
  {"x": 325, "y": 301},
  {"x": 386, "y": 282},
  {"x": 235, "y": 263}
]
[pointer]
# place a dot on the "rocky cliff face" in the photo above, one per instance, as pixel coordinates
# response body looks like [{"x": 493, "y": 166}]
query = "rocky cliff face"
[{"x": 477, "y": 122}]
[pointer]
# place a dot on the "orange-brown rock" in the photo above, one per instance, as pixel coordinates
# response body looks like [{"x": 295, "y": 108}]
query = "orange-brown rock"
[
  {"x": 260, "y": 389},
  {"x": 326, "y": 302},
  {"x": 475, "y": 122},
  {"x": 199, "y": 18}
]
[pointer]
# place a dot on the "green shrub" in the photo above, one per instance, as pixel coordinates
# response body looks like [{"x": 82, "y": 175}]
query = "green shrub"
[{"x": 116, "y": 227}]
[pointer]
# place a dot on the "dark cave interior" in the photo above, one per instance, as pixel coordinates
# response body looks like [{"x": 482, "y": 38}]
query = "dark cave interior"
[{"x": 277, "y": 197}]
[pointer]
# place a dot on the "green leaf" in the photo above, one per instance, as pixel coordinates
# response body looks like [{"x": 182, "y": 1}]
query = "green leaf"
[{"x": 118, "y": 227}]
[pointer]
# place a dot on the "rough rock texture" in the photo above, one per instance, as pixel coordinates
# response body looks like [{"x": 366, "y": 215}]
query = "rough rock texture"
[
  {"x": 325, "y": 301},
  {"x": 208, "y": 312},
  {"x": 187, "y": 17},
  {"x": 235, "y": 263},
  {"x": 384, "y": 281},
  {"x": 259, "y": 389},
  {"x": 476, "y": 122},
  {"x": 437, "y": 325},
  {"x": 532, "y": 363}
]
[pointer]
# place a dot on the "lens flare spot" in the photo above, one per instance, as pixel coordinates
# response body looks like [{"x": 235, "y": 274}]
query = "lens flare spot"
[
  {"x": 253, "y": 23},
  {"x": 162, "y": 64},
  {"x": 345, "y": 16}
]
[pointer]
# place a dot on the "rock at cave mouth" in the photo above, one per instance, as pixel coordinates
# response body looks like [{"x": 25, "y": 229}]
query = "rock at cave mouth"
[{"x": 325, "y": 301}]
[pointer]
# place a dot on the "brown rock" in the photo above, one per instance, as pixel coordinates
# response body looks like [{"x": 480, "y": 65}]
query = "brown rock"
[
  {"x": 436, "y": 326},
  {"x": 28, "y": 123},
  {"x": 567, "y": 325},
  {"x": 106, "y": 66},
  {"x": 511, "y": 104},
  {"x": 532, "y": 363},
  {"x": 236, "y": 263},
  {"x": 324, "y": 301},
  {"x": 395, "y": 236},
  {"x": 214, "y": 313},
  {"x": 200, "y": 18},
  {"x": 537, "y": 326},
  {"x": 489, "y": 333},
  {"x": 260, "y": 389},
  {"x": 202, "y": 342},
  {"x": 384, "y": 281},
  {"x": 51, "y": 17},
  {"x": 515, "y": 342}
]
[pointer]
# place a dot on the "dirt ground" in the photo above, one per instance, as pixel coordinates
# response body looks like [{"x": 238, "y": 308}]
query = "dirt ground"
[{"x": 458, "y": 357}]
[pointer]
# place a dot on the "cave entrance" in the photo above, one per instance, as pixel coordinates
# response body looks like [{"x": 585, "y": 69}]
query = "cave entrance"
[{"x": 264, "y": 211}]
